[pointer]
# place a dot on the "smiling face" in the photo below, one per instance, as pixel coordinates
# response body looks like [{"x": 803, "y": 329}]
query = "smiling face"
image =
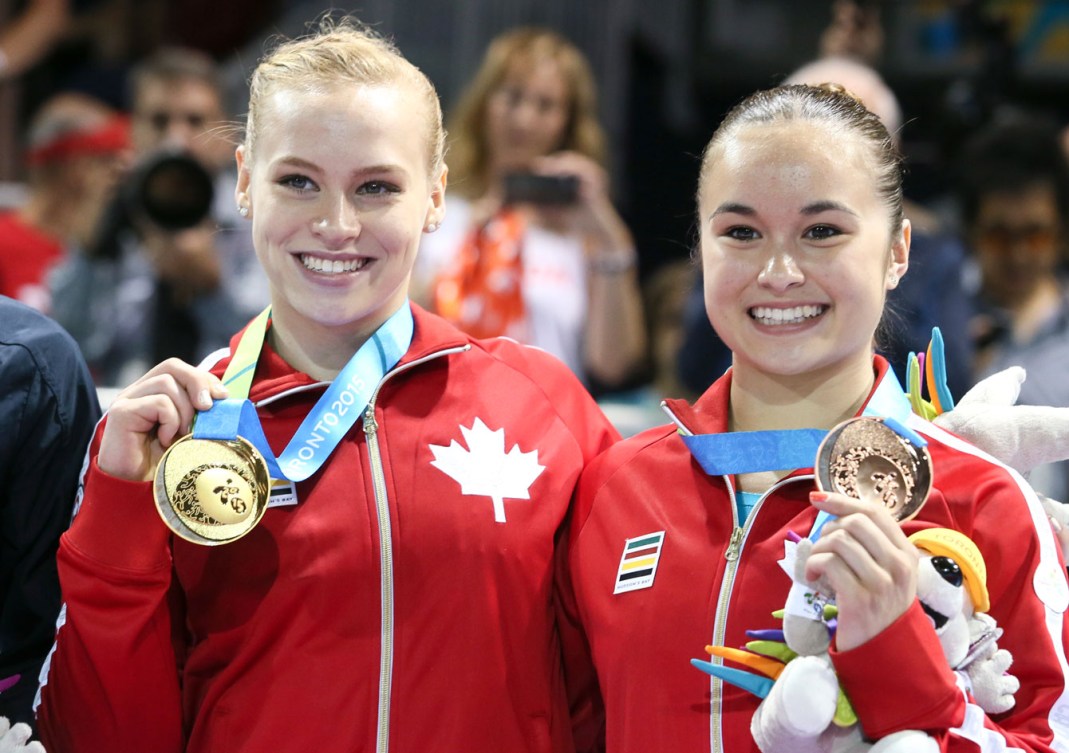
[
  {"x": 339, "y": 191},
  {"x": 797, "y": 248}
]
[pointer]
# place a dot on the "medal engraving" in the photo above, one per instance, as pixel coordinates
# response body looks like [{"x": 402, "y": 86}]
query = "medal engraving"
[
  {"x": 211, "y": 491},
  {"x": 866, "y": 459}
]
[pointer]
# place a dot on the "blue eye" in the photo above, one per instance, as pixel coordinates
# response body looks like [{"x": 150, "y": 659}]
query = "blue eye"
[
  {"x": 299, "y": 183},
  {"x": 377, "y": 188}
]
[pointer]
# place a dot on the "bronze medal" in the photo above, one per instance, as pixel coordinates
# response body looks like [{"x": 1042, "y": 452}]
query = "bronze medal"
[
  {"x": 211, "y": 491},
  {"x": 866, "y": 459}
]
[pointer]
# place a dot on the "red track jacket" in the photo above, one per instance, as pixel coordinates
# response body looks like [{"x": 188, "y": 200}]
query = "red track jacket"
[
  {"x": 385, "y": 610},
  {"x": 715, "y": 579}
]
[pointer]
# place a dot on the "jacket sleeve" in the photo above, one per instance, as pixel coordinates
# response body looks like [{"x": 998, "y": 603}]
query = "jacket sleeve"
[
  {"x": 49, "y": 407},
  {"x": 112, "y": 682},
  {"x": 915, "y": 689}
]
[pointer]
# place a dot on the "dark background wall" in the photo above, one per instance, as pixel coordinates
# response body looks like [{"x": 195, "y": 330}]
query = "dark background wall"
[{"x": 667, "y": 69}]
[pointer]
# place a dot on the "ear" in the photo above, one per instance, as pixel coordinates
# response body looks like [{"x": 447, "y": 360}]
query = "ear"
[
  {"x": 899, "y": 255},
  {"x": 241, "y": 190},
  {"x": 436, "y": 202}
]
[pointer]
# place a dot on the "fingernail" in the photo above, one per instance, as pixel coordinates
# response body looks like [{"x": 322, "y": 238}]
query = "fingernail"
[
  {"x": 817, "y": 496},
  {"x": 204, "y": 398}
]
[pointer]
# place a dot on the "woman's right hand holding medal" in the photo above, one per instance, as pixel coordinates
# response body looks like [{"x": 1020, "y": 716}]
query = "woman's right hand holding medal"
[{"x": 150, "y": 414}]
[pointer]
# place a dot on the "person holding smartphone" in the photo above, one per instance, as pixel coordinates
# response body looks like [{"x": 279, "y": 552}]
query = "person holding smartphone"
[{"x": 532, "y": 247}]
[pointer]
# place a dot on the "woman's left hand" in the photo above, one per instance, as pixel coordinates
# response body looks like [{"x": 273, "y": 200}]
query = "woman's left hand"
[{"x": 871, "y": 565}]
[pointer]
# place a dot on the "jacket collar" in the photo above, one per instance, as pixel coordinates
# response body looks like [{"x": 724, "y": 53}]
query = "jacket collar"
[
  {"x": 709, "y": 414},
  {"x": 274, "y": 375}
]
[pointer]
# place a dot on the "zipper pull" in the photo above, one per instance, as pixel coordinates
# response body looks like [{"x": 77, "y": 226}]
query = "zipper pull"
[
  {"x": 732, "y": 552},
  {"x": 370, "y": 424}
]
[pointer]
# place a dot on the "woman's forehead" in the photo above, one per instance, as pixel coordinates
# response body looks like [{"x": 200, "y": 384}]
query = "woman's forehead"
[{"x": 762, "y": 146}]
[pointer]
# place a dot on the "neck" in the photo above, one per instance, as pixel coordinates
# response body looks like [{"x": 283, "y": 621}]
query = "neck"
[
  {"x": 761, "y": 401},
  {"x": 319, "y": 351}
]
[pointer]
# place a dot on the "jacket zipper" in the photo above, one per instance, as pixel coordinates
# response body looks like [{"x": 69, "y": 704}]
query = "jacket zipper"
[
  {"x": 382, "y": 511},
  {"x": 732, "y": 554}
]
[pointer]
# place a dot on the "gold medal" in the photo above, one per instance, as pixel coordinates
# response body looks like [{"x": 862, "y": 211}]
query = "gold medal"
[
  {"x": 211, "y": 491},
  {"x": 866, "y": 459}
]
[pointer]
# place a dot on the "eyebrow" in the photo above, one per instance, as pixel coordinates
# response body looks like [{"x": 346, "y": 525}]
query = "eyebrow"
[
  {"x": 732, "y": 208},
  {"x": 369, "y": 170},
  {"x": 826, "y": 206},
  {"x": 809, "y": 209}
]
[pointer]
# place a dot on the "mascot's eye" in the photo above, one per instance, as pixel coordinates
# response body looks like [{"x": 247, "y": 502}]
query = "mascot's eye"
[{"x": 948, "y": 570}]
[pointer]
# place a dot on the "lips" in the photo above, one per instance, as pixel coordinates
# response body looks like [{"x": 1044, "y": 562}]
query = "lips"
[
  {"x": 771, "y": 317},
  {"x": 328, "y": 266}
]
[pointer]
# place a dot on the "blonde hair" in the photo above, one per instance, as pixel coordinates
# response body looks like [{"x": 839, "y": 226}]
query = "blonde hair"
[
  {"x": 342, "y": 51},
  {"x": 469, "y": 157}
]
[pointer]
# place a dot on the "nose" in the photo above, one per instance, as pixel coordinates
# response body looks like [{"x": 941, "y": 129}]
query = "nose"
[
  {"x": 780, "y": 271},
  {"x": 338, "y": 224},
  {"x": 523, "y": 112}
]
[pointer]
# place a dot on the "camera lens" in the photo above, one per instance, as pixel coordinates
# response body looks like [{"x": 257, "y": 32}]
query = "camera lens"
[{"x": 172, "y": 190}]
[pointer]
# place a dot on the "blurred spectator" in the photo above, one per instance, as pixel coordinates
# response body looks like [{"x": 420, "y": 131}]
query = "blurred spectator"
[
  {"x": 855, "y": 32},
  {"x": 1014, "y": 191},
  {"x": 49, "y": 409},
  {"x": 932, "y": 294},
  {"x": 548, "y": 262},
  {"x": 74, "y": 154},
  {"x": 148, "y": 289},
  {"x": 29, "y": 34}
]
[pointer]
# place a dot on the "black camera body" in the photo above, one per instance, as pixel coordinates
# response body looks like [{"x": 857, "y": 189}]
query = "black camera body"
[
  {"x": 170, "y": 189},
  {"x": 544, "y": 190}
]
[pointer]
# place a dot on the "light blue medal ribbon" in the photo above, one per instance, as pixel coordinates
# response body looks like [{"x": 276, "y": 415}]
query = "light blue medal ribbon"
[
  {"x": 336, "y": 411},
  {"x": 729, "y": 453},
  {"x": 755, "y": 451}
]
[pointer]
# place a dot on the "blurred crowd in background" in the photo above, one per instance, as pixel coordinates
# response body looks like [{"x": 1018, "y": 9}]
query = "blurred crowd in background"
[{"x": 118, "y": 123}]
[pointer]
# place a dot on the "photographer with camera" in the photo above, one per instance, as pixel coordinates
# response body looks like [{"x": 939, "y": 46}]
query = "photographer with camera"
[
  {"x": 532, "y": 247},
  {"x": 171, "y": 270}
]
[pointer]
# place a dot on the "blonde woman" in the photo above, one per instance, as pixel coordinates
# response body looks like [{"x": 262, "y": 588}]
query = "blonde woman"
[
  {"x": 400, "y": 594},
  {"x": 533, "y": 247}
]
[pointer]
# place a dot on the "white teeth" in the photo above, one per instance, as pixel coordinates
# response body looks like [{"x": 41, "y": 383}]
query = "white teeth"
[
  {"x": 773, "y": 316},
  {"x": 331, "y": 267}
]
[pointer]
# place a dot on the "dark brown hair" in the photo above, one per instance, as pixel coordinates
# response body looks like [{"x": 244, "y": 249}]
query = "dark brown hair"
[{"x": 826, "y": 103}]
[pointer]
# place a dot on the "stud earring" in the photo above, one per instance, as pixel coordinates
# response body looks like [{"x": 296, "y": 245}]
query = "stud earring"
[
  {"x": 893, "y": 280},
  {"x": 431, "y": 227},
  {"x": 243, "y": 210}
]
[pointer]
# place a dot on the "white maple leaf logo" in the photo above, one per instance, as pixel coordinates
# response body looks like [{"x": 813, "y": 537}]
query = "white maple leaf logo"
[{"x": 485, "y": 469}]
